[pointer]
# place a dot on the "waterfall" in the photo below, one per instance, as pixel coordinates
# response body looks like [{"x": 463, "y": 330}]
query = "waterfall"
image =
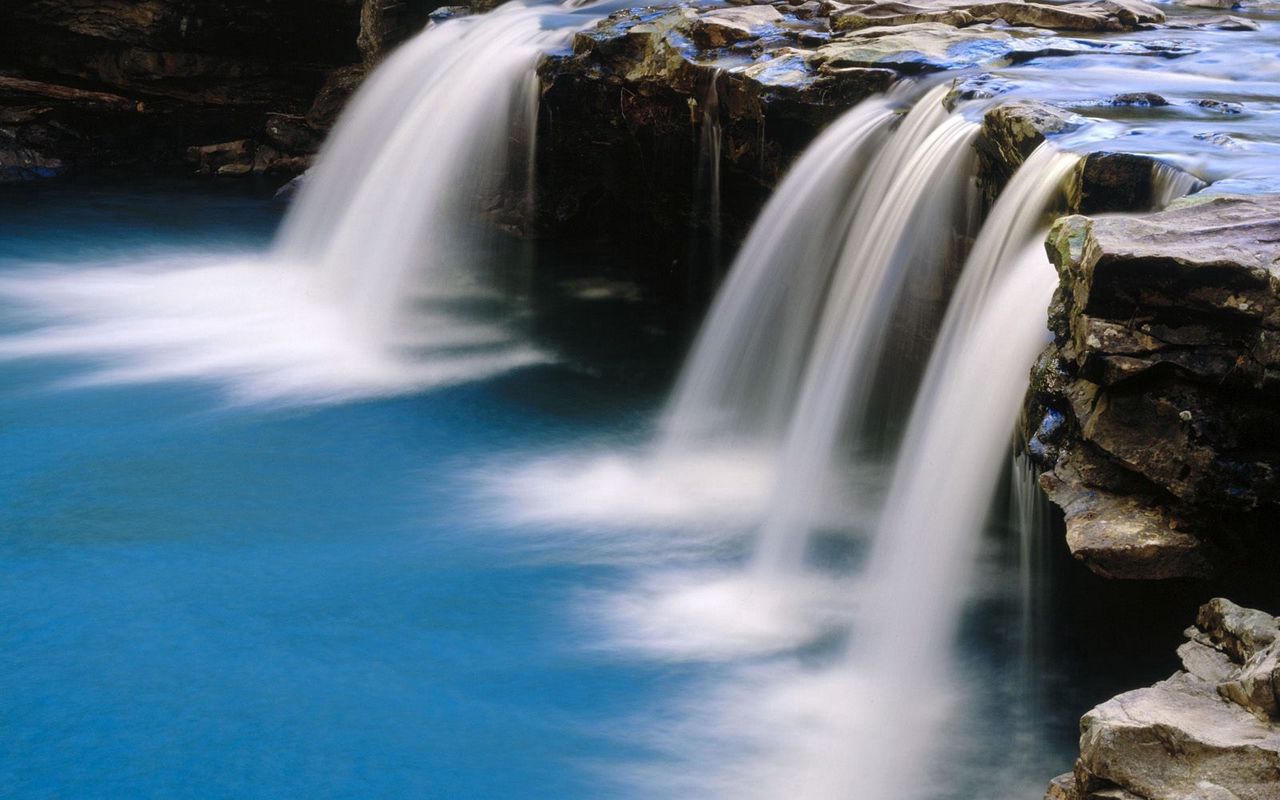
[
  {"x": 947, "y": 470},
  {"x": 1168, "y": 183},
  {"x": 710, "y": 145},
  {"x": 739, "y": 380},
  {"x": 904, "y": 223},
  {"x": 379, "y": 281},
  {"x": 399, "y": 186}
]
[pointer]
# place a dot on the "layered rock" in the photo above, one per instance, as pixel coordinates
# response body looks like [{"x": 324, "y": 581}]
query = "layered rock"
[
  {"x": 1210, "y": 731},
  {"x": 236, "y": 87},
  {"x": 103, "y": 82},
  {"x": 1155, "y": 404},
  {"x": 628, "y": 109}
]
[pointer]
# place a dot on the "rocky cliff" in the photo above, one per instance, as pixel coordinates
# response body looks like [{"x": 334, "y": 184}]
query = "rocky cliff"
[
  {"x": 214, "y": 86},
  {"x": 1155, "y": 404}
]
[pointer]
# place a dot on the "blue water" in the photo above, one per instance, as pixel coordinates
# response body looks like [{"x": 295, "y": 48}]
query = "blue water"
[
  {"x": 202, "y": 601},
  {"x": 208, "y": 599}
]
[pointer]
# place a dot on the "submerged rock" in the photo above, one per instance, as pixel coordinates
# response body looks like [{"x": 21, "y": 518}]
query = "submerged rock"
[{"x": 1210, "y": 731}]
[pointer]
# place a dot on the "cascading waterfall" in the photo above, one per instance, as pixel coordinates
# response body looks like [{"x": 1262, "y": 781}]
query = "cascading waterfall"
[
  {"x": 1170, "y": 183},
  {"x": 905, "y": 223},
  {"x": 377, "y": 282},
  {"x": 947, "y": 470},
  {"x": 863, "y": 724},
  {"x": 396, "y": 192},
  {"x": 739, "y": 381}
]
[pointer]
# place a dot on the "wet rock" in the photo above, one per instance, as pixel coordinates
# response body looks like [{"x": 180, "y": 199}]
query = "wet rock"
[
  {"x": 20, "y": 164},
  {"x": 291, "y": 134},
  {"x": 1100, "y": 15},
  {"x": 977, "y": 87},
  {"x": 727, "y": 26},
  {"x": 1140, "y": 99},
  {"x": 1010, "y": 132},
  {"x": 1167, "y": 351},
  {"x": 333, "y": 95},
  {"x": 1220, "y": 23},
  {"x": 384, "y": 24},
  {"x": 1121, "y": 182},
  {"x": 224, "y": 158},
  {"x": 1200, "y": 734},
  {"x": 1220, "y": 106},
  {"x": 868, "y": 15}
]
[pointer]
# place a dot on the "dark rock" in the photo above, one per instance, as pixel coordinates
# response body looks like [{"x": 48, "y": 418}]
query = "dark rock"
[
  {"x": 1220, "y": 106},
  {"x": 384, "y": 24},
  {"x": 333, "y": 97},
  {"x": 1141, "y": 99},
  {"x": 1167, "y": 365},
  {"x": 138, "y": 82},
  {"x": 1122, "y": 182},
  {"x": 291, "y": 134},
  {"x": 1010, "y": 132}
]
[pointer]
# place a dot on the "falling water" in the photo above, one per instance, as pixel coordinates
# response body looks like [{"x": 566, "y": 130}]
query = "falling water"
[
  {"x": 711, "y": 135},
  {"x": 398, "y": 188},
  {"x": 377, "y": 281},
  {"x": 947, "y": 470},
  {"x": 740, "y": 379},
  {"x": 1170, "y": 183},
  {"x": 904, "y": 223}
]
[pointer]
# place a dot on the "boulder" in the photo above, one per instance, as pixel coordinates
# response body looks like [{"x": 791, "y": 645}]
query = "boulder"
[
  {"x": 1165, "y": 370},
  {"x": 1209, "y": 731}
]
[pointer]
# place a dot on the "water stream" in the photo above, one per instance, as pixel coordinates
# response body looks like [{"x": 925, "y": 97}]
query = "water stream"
[{"x": 381, "y": 503}]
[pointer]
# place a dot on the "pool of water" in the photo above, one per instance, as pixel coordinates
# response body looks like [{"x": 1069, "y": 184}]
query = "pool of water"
[{"x": 205, "y": 596}]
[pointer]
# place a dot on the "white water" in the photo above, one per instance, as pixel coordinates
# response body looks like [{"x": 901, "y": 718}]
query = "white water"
[
  {"x": 1170, "y": 183},
  {"x": 905, "y": 223},
  {"x": 739, "y": 381},
  {"x": 380, "y": 279}
]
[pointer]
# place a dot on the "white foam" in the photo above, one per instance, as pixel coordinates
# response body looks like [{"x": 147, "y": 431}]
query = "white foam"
[{"x": 255, "y": 329}]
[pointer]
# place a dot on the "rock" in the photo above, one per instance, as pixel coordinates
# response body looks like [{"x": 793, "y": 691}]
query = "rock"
[
  {"x": 1062, "y": 788},
  {"x": 1141, "y": 99},
  {"x": 1240, "y": 633},
  {"x": 22, "y": 164},
  {"x": 138, "y": 83},
  {"x": 1100, "y": 15},
  {"x": 1010, "y": 132},
  {"x": 867, "y": 15},
  {"x": 384, "y": 24},
  {"x": 1219, "y": 23},
  {"x": 1197, "y": 735},
  {"x": 289, "y": 191},
  {"x": 1121, "y": 535},
  {"x": 1122, "y": 182},
  {"x": 291, "y": 134},
  {"x": 224, "y": 158},
  {"x": 727, "y": 26},
  {"x": 1166, "y": 366},
  {"x": 1220, "y": 106},
  {"x": 333, "y": 96}
]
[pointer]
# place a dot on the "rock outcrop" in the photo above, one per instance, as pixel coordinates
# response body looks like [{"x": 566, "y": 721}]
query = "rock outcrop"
[
  {"x": 1155, "y": 404},
  {"x": 1210, "y": 731},
  {"x": 106, "y": 82},
  {"x": 221, "y": 88},
  {"x": 627, "y": 110}
]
